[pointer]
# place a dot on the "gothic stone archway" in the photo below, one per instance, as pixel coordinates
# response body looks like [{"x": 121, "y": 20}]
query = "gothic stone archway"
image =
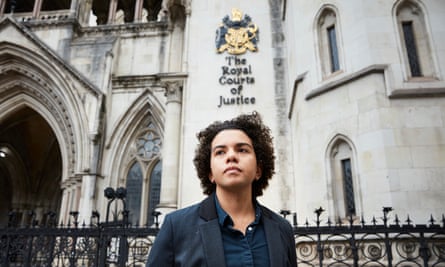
[{"x": 30, "y": 167}]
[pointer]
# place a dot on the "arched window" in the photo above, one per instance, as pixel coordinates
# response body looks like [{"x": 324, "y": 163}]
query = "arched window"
[
  {"x": 134, "y": 193},
  {"x": 154, "y": 192},
  {"x": 143, "y": 181},
  {"x": 328, "y": 45},
  {"x": 344, "y": 188},
  {"x": 414, "y": 40}
]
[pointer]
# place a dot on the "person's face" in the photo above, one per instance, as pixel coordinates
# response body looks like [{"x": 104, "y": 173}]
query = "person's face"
[{"x": 233, "y": 163}]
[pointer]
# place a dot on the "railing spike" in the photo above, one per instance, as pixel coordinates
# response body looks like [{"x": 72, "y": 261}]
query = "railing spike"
[
  {"x": 432, "y": 221},
  {"x": 408, "y": 220},
  {"x": 351, "y": 220},
  {"x": 397, "y": 221},
  {"x": 329, "y": 222},
  {"x": 362, "y": 220},
  {"x": 318, "y": 211}
]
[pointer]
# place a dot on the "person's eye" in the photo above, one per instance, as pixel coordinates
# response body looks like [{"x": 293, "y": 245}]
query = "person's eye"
[{"x": 219, "y": 152}]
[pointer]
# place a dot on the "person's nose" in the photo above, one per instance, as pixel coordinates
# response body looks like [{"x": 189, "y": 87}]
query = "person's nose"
[{"x": 232, "y": 156}]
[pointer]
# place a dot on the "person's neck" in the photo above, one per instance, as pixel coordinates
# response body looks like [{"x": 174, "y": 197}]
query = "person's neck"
[
  {"x": 239, "y": 206},
  {"x": 235, "y": 202}
]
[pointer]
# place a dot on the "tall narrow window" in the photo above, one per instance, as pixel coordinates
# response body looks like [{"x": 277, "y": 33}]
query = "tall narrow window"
[
  {"x": 348, "y": 187},
  {"x": 328, "y": 45},
  {"x": 343, "y": 179},
  {"x": 414, "y": 39},
  {"x": 143, "y": 181},
  {"x": 333, "y": 50},
  {"x": 134, "y": 193},
  {"x": 411, "y": 49},
  {"x": 154, "y": 192}
]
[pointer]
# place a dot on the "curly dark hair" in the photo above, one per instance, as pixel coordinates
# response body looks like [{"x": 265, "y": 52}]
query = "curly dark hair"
[{"x": 252, "y": 125}]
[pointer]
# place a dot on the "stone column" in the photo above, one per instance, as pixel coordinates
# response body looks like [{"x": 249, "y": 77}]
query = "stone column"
[
  {"x": 86, "y": 201},
  {"x": 2, "y": 7},
  {"x": 138, "y": 11},
  {"x": 64, "y": 208},
  {"x": 112, "y": 12},
  {"x": 37, "y": 8},
  {"x": 70, "y": 199},
  {"x": 74, "y": 7},
  {"x": 170, "y": 148}
]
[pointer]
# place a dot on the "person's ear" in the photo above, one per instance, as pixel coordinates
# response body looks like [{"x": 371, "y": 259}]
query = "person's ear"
[
  {"x": 212, "y": 180},
  {"x": 259, "y": 172}
]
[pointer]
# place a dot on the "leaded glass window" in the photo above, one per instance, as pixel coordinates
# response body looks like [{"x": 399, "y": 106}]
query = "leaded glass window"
[
  {"x": 333, "y": 50},
  {"x": 144, "y": 175},
  {"x": 328, "y": 42},
  {"x": 134, "y": 193},
  {"x": 348, "y": 187},
  {"x": 343, "y": 183},
  {"x": 155, "y": 192},
  {"x": 415, "y": 41},
  {"x": 411, "y": 49}
]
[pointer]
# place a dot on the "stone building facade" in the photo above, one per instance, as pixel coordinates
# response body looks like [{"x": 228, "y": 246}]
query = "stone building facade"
[{"x": 97, "y": 94}]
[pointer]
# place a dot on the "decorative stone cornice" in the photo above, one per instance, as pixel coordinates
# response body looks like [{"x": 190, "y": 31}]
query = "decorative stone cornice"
[
  {"x": 137, "y": 28},
  {"x": 143, "y": 81}
]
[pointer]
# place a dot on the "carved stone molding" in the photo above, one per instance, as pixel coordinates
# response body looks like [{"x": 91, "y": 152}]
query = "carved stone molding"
[
  {"x": 33, "y": 85},
  {"x": 173, "y": 91}
]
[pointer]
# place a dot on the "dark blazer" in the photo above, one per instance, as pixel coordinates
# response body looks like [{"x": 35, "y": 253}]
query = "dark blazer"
[{"x": 192, "y": 237}]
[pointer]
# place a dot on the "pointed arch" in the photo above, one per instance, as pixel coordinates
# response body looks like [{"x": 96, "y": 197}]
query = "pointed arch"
[
  {"x": 27, "y": 78},
  {"x": 34, "y": 76},
  {"x": 328, "y": 41},
  {"x": 411, "y": 20},
  {"x": 344, "y": 191},
  {"x": 126, "y": 127},
  {"x": 137, "y": 141}
]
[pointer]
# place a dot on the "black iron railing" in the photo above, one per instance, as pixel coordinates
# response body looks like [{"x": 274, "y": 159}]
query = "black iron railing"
[
  {"x": 75, "y": 246},
  {"x": 117, "y": 243},
  {"x": 375, "y": 244}
]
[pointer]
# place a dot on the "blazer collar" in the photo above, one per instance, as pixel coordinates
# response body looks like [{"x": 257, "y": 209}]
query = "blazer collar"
[
  {"x": 207, "y": 209},
  {"x": 211, "y": 233},
  {"x": 274, "y": 241}
]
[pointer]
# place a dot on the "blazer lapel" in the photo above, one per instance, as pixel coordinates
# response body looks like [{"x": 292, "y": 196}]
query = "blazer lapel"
[
  {"x": 211, "y": 234},
  {"x": 212, "y": 244},
  {"x": 274, "y": 242}
]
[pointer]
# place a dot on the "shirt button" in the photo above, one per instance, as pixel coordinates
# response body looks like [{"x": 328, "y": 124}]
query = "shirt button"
[{"x": 249, "y": 228}]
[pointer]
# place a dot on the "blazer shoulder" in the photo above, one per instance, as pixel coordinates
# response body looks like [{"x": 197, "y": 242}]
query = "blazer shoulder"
[{"x": 184, "y": 212}]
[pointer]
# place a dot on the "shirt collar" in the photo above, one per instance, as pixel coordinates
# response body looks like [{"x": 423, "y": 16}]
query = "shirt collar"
[{"x": 224, "y": 218}]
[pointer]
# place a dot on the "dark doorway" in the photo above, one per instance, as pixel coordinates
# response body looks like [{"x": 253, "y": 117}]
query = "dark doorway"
[{"x": 30, "y": 167}]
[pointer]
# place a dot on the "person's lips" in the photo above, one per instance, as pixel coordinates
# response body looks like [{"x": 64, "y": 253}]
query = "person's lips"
[{"x": 232, "y": 169}]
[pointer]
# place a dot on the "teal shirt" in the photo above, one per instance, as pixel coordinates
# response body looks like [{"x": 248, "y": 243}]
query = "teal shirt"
[{"x": 240, "y": 250}]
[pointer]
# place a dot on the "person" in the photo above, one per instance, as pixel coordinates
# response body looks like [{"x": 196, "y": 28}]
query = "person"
[{"x": 234, "y": 161}]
